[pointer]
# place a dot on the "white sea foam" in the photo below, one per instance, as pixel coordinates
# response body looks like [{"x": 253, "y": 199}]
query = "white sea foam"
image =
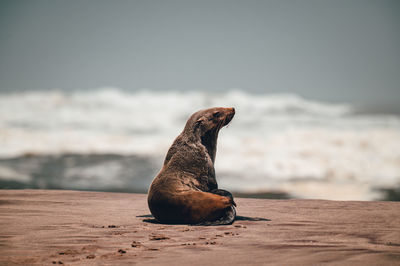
[{"x": 282, "y": 141}]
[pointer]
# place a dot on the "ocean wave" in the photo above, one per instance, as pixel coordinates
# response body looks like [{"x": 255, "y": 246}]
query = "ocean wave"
[{"x": 279, "y": 141}]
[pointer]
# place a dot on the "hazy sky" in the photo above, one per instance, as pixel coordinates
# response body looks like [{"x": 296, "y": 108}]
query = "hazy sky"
[{"x": 332, "y": 50}]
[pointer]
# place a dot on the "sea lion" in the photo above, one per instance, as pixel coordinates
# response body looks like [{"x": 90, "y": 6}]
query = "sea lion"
[{"x": 186, "y": 191}]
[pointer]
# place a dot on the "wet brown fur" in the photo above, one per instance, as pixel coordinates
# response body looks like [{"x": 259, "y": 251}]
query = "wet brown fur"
[{"x": 185, "y": 190}]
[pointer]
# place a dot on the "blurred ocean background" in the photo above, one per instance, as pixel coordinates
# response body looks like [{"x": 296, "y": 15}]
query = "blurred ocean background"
[
  {"x": 111, "y": 139},
  {"x": 93, "y": 93}
]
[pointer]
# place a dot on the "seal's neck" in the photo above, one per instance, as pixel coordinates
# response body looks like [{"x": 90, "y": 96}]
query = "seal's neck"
[{"x": 209, "y": 140}]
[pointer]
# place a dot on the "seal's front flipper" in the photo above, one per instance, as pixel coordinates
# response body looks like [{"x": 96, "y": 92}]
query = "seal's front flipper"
[
  {"x": 228, "y": 218},
  {"x": 224, "y": 193}
]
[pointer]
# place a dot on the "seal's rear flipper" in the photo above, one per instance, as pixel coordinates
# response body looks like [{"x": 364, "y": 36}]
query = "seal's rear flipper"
[{"x": 227, "y": 218}]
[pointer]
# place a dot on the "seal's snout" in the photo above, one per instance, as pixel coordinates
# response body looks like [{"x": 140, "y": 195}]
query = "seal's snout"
[
  {"x": 230, "y": 111},
  {"x": 230, "y": 114}
]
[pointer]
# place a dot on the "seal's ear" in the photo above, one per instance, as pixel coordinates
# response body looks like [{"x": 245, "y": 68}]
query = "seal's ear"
[{"x": 199, "y": 122}]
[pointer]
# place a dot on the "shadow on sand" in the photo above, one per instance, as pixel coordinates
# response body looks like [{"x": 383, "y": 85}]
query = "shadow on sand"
[
  {"x": 150, "y": 219},
  {"x": 253, "y": 219}
]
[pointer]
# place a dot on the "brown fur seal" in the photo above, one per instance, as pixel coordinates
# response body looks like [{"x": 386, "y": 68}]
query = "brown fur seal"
[{"x": 186, "y": 191}]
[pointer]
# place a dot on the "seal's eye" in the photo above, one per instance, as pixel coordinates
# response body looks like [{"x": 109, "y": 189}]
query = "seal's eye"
[{"x": 216, "y": 114}]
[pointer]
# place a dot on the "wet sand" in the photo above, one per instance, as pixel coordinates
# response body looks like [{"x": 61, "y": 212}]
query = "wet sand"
[{"x": 47, "y": 227}]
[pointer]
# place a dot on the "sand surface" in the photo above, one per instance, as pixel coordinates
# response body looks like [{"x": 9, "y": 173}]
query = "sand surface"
[{"x": 49, "y": 227}]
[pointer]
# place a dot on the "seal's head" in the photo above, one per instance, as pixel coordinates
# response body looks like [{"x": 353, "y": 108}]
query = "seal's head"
[
  {"x": 210, "y": 120},
  {"x": 204, "y": 125}
]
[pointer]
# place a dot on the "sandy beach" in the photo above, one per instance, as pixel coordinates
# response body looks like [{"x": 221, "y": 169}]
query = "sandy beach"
[{"x": 47, "y": 227}]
